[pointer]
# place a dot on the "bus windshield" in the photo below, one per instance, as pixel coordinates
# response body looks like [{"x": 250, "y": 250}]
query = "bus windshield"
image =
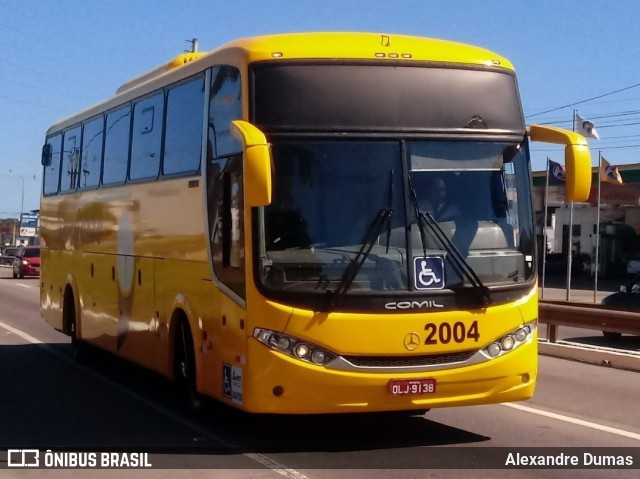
[{"x": 328, "y": 196}]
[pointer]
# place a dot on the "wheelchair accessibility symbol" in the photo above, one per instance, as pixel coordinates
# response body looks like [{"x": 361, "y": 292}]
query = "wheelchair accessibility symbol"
[{"x": 428, "y": 272}]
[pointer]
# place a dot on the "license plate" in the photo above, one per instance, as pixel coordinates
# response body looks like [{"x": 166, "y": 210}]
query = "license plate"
[{"x": 401, "y": 387}]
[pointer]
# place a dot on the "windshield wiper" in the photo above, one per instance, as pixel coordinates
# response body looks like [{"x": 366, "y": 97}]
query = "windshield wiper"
[
  {"x": 382, "y": 217},
  {"x": 461, "y": 264}
]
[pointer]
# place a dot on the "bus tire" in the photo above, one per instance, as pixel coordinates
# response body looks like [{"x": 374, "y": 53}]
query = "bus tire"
[
  {"x": 611, "y": 335},
  {"x": 70, "y": 325},
  {"x": 185, "y": 368}
]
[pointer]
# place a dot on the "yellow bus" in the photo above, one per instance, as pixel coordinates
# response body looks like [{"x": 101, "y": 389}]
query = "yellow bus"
[{"x": 259, "y": 223}]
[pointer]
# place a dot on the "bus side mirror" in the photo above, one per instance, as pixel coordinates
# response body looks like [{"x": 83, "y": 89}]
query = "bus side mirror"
[
  {"x": 46, "y": 154},
  {"x": 256, "y": 163},
  {"x": 577, "y": 158}
]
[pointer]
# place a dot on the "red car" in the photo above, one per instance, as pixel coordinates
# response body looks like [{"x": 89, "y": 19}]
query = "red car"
[{"x": 27, "y": 262}]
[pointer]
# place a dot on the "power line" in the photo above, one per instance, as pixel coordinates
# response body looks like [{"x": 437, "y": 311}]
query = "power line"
[
  {"x": 592, "y": 117},
  {"x": 550, "y": 150},
  {"x": 584, "y": 101},
  {"x": 48, "y": 107}
]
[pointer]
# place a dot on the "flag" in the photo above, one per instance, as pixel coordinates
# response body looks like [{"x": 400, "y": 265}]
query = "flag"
[
  {"x": 586, "y": 128},
  {"x": 609, "y": 173},
  {"x": 556, "y": 173}
]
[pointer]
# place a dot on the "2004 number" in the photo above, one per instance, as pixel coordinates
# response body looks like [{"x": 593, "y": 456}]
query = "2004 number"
[{"x": 444, "y": 333}]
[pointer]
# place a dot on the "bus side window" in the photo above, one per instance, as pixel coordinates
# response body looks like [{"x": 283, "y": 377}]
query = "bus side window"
[
  {"x": 91, "y": 165},
  {"x": 52, "y": 171},
  {"x": 70, "y": 160},
  {"x": 183, "y": 132},
  {"x": 226, "y": 221},
  {"x": 146, "y": 139},
  {"x": 225, "y": 105},
  {"x": 116, "y": 146}
]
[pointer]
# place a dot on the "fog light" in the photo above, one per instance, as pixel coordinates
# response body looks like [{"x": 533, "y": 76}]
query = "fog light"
[
  {"x": 494, "y": 350},
  {"x": 302, "y": 350},
  {"x": 508, "y": 342},
  {"x": 318, "y": 356}
]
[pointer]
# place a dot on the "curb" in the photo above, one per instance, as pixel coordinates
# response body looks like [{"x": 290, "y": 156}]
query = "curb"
[{"x": 592, "y": 355}]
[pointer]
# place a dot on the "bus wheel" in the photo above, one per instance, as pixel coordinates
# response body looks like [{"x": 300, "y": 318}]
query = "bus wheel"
[
  {"x": 611, "y": 335},
  {"x": 70, "y": 325},
  {"x": 185, "y": 368}
]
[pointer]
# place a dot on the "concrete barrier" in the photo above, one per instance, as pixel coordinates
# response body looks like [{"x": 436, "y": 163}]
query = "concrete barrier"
[{"x": 607, "y": 357}]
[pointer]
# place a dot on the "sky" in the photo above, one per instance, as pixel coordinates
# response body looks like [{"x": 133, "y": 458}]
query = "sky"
[{"x": 57, "y": 58}]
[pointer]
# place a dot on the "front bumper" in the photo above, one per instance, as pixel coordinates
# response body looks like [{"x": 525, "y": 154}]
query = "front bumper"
[{"x": 280, "y": 384}]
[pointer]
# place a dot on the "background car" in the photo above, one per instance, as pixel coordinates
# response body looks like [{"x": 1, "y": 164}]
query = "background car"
[
  {"x": 27, "y": 262},
  {"x": 556, "y": 263},
  {"x": 8, "y": 254},
  {"x": 633, "y": 265},
  {"x": 628, "y": 298}
]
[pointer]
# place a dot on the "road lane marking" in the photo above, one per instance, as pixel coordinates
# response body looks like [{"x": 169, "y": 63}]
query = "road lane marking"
[
  {"x": 22, "y": 334},
  {"x": 573, "y": 420},
  {"x": 22, "y": 285},
  {"x": 262, "y": 459}
]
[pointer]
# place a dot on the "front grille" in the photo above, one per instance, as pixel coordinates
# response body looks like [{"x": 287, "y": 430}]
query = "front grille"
[{"x": 409, "y": 361}]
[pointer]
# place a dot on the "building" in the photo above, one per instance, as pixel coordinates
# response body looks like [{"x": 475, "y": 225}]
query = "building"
[{"x": 619, "y": 218}]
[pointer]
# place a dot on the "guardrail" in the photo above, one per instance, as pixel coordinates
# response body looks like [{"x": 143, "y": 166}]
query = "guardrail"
[{"x": 587, "y": 316}]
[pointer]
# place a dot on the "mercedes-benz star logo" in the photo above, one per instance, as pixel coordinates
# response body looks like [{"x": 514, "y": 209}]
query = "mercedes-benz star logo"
[{"x": 412, "y": 341}]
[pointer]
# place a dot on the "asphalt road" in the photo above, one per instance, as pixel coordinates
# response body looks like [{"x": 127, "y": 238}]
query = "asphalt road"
[{"x": 48, "y": 401}]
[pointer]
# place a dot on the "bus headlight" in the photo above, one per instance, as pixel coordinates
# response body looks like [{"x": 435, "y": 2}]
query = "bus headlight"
[
  {"x": 510, "y": 341},
  {"x": 284, "y": 343},
  {"x": 302, "y": 350},
  {"x": 494, "y": 350},
  {"x": 318, "y": 356},
  {"x": 294, "y": 347}
]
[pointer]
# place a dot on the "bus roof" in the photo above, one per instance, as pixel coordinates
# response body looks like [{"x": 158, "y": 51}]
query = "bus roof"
[
  {"x": 311, "y": 45},
  {"x": 344, "y": 45}
]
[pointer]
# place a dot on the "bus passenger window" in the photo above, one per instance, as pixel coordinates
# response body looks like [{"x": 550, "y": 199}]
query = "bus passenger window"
[
  {"x": 146, "y": 139},
  {"x": 183, "y": 135},
  {"x": 116, "y": 146},
  {"x": 52, "y": 172},
  {"x": 70, "y": 160},
  {"x": 91, "y": 153}
]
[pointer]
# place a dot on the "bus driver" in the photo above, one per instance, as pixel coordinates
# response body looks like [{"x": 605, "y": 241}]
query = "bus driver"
[{"x": 436, "y": 201}]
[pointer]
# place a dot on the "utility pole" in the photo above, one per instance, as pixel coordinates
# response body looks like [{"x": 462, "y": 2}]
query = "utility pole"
[{"x": 19, "y": 222}]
